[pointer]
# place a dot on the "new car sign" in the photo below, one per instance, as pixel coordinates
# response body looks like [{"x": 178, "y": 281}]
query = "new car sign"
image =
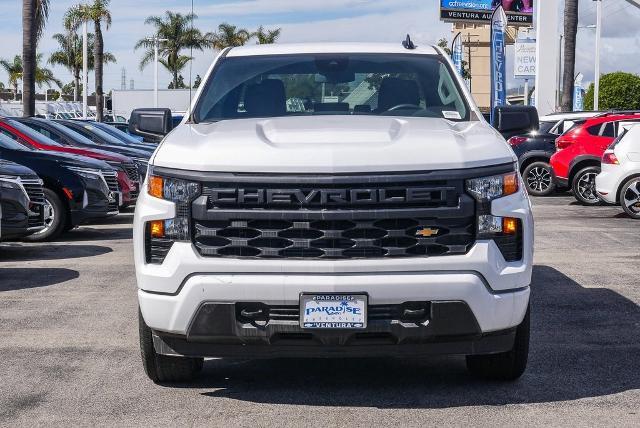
[{"x": 519, "y": 12}]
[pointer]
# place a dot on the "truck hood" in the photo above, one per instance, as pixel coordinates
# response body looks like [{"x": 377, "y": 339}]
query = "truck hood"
[{"x": 332, "y": 144}]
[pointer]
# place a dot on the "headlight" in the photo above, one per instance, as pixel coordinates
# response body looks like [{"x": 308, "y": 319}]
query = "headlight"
[
  {"x": 486, "y": 189},
  {"x": 172, "y": 189},
  {"x": 161, "y": 234},
  {"x": 88, "y": 173},
  {"x": 9, "y": 183}
]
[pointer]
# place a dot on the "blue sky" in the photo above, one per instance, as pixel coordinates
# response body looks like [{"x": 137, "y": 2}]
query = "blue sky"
[{"x": 306, "y": 20}]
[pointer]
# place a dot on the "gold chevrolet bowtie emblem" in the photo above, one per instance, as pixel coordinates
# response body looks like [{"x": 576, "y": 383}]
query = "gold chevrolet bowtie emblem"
[{"x": 427, "y": 232}]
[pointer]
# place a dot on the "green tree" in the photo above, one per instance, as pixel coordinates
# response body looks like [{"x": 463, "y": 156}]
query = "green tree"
[
  {"x": 34, "y": 18},
  {"x": 42, "y": 76},
  {"x": 179, "y": 85},
  {"x": 69, "y": 55},
  {"x": 179, "y": 33},
  {"x": 14, "y": 70},
  {"x": 96, "y": 13},
  {"x": 266, "y": 36},
  {"x": 619, "y": 90},
  {"x": 227, "y": 36}
]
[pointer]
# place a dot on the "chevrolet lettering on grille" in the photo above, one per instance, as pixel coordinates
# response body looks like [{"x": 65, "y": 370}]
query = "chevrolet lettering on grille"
[{"x": 321, "y": 196}]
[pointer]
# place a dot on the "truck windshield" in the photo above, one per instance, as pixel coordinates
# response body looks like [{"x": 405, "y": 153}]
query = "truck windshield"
[{"x": 342, "y": 84}]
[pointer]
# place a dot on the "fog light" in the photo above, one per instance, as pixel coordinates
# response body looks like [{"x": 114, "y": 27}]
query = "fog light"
[
  {"x": 177, "y": 228},
  {"x": 509, "y": 225},
  {"x": 157, "y": 228}
]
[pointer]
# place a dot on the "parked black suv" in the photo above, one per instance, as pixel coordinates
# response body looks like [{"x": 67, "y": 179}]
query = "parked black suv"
[
  {"x": 21, "y": 201},
  {"x": 534, "y": 150},
  {"x": 77, "y": 189}
]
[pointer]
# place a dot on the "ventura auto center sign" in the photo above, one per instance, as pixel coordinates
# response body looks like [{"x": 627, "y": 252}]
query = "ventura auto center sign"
[
  {"x": 519, "y": 12},
  {"x": 524, "y": 60}
]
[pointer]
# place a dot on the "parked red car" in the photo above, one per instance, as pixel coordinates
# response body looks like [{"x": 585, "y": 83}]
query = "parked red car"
[
  {"x": 129, "y": 188},
  {"x": 579, "y": 152}
]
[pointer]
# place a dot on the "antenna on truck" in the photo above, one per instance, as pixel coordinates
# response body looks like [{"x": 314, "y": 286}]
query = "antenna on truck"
[{"x": 408, "y": 44}]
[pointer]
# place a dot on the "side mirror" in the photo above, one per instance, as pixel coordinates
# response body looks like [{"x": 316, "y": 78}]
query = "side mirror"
[
  {"x": 515, "y": 120},
  {"x": 152, "y": 124}
]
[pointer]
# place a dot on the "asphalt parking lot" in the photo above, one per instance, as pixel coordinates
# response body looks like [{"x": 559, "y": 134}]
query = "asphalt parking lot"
[{"x": 69, "y": 346}]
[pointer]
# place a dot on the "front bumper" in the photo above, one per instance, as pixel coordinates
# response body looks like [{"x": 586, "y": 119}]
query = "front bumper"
[
  {"x": 496, "y": 293},
  {"x": 15, "y": 215}
]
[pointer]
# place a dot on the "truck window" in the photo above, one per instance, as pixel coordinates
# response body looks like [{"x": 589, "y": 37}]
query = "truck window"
[{"x": 342, "y": 84}]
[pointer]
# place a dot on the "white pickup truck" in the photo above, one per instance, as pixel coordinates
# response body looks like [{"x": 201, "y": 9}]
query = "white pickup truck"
[{"x": 332, "y": 200}]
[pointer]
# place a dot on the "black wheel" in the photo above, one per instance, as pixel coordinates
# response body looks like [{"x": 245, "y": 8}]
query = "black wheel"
[
  {"x": 630, "y": 198},
  {"x": 538, "y": 179},
  {"x": 55, "y": 218},
  {"x": 584, "y": 186},
  {"x": 507, "y": 365},
  {"x": 162, "y": 368}
]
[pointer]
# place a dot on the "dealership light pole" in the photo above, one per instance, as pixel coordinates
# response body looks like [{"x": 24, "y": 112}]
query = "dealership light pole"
[
  {"x": 596, "y": 82},
  {"x": 85, "y": 67},
  {"x": 156, "y": 45}
]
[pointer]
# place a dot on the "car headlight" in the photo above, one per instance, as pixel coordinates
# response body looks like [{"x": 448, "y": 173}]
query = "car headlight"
[
  {"x": 486, "y": 189},
  {"x": 88, "y": 173},
  {"x": 172, "y": 189},
  {"x": 161, "y": 234},
  {"x": 506, "y": 232},
  {"x": 10, "y": 183}
]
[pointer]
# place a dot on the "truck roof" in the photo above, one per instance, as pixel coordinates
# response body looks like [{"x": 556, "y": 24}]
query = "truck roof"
[{"x": 320, "y": 48}]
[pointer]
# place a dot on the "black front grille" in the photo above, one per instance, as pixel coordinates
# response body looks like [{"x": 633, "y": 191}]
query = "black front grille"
[
  {"x": 408, "y": 215},
  {"x": 366, "y": 238},
  {"x": 34, "y": 189},
  {"x": 112, "y": 182},
  {"x": 132, "y": 171},
  {"x": 374, "y": 312}
]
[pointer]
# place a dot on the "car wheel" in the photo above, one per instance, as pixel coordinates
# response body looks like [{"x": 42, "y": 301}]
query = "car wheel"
[
  {"x": 504, "y": 366},
  {"x": 630, "y": 198},
  {"x": 538, "y": 179},
  {"x": 584, "y": 186},
  {"x": 162, "y": 368},
  {"x": 55, "y": 218}
]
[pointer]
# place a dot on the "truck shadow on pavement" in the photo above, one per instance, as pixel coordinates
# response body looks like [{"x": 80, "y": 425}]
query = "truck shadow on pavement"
[
  {"x": 21, "y": 278},
  {"x": 17, "y": 252},
  {"x": 585, "y": 343}
]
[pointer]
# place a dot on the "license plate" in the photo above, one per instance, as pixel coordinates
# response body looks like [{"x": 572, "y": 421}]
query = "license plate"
[{"x": 333, "y": 311}]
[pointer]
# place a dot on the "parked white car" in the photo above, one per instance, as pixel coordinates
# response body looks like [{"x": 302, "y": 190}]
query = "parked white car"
[{"x": 619, "y": 181}]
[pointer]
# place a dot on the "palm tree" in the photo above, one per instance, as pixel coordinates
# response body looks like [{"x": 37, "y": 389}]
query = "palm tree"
[
  {"x": 570, "y": 33},
  {"x": 178, "y": 31},
  {"x": 70, "y": 56},
  {"x": 96, "y": 13},
  {"x": 266, "y": 37},
  {"x": 228, "y": 36},
  {"x": 14, "y": 70},
  {"x": 34, "y": 18}
]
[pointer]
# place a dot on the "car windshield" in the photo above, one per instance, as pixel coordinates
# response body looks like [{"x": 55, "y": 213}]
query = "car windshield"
[
  {"x": 341, "y": 84},
  {"x": 103, "y": 136},
  {"x": 70, "y": 133},
  {"x": 116, "y": 133},
  {"x": 11, "y": 144},
  {"x": 545, "y": 127},
  {"x": 33, "y": 134}
]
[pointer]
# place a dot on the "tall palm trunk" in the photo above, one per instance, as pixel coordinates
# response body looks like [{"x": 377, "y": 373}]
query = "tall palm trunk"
[
  {"x": 76, "y": 84},
  {"x": 29, "y": 33},
  {"x": 97, "y": 66},
  {"x": 15, "y": 91},
  {"x": 570, "y": 33}
]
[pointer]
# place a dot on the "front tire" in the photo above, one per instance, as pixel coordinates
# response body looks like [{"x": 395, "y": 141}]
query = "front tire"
[
  {"x": 630, "y": 198},
  {"x": 55, "y": 218},
  {"x": 538, "y": 179},
  {"x": 505, "y": 366},
  {"x": 584, "y": 186},
  {"x": 162, "y": 368}
]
